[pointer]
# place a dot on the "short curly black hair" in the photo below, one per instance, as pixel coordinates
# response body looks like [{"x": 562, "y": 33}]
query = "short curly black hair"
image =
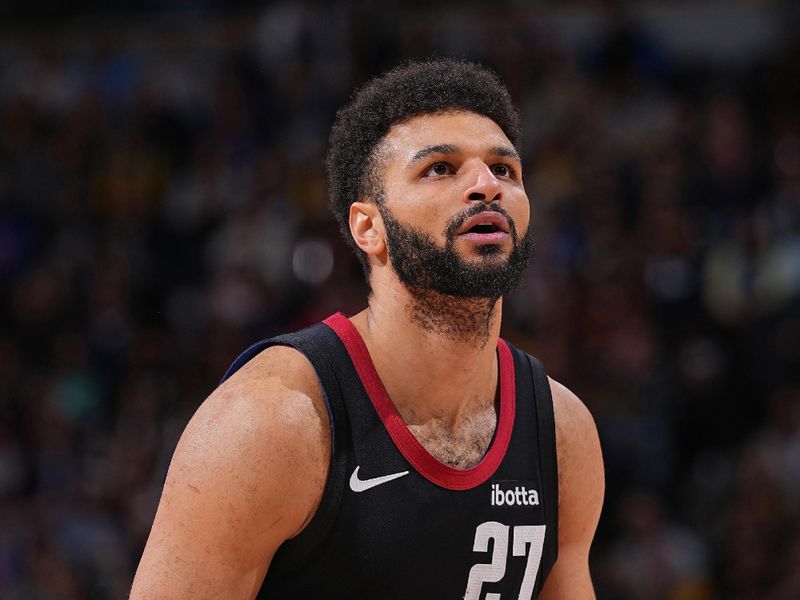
[{"x": 410, "y": 90}]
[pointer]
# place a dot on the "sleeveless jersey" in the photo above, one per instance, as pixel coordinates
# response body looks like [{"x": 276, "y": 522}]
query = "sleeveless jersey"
[{"x": 395, "y": 522}]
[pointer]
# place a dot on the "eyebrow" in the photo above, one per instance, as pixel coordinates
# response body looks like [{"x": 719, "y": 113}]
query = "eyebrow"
[
  {"x": 427, "y": 151},
  {"x": 505, "y": 151},
  {"x": 435, "y": 149}
]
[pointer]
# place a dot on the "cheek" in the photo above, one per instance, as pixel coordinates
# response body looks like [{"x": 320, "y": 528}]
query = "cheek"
[
  {"x": 521, "y": 213},
  {"x": 424, "y": 212},
  {"x": 527, "y": 217}
]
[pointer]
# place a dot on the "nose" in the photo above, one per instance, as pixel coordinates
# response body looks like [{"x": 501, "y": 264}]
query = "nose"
[{"x": 486, "y": 188}]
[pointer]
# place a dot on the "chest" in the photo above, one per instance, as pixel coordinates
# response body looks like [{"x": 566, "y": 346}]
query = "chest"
[{"x": 462, "y": 447}]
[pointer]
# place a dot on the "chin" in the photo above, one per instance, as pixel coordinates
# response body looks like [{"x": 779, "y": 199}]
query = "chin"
[{"x": 489, "y": 250}]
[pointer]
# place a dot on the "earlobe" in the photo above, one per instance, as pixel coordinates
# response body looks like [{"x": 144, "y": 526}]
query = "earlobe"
[{"x": 366, "y": 227}]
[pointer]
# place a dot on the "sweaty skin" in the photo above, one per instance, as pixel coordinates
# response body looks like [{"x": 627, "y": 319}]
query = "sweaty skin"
[{"x": 249, "y": 470}]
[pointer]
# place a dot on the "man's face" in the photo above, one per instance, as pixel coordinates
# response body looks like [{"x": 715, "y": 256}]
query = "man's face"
[{"x": 454, "y": 208}]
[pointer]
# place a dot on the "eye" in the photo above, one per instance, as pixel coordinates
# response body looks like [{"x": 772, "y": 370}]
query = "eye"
[
  {"x": 502, "y": 170},
  {"x": 439, "y": 169}
]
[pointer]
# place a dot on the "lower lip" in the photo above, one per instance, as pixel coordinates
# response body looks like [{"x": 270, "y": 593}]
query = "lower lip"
[{"x": 495, "y": 237}]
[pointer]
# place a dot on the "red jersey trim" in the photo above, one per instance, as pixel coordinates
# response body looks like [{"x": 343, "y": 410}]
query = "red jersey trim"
[{"x": 415, "y": 453}]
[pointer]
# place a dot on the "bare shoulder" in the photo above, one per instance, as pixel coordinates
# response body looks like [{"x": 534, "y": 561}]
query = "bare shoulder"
[
  {"x": 276, "y": 392},
  {"x": 268, "y": 420},
  {"x": 247, "y": 474},
  {"x": 273, "y": 409},
  {"x": 581, "y": 486},
  {"x": 574, "y": 422},
  {"x": 580, "y": 463}
]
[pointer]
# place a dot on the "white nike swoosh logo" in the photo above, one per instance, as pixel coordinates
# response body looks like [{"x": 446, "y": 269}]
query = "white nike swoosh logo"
[{"x": 362, "y": 485}]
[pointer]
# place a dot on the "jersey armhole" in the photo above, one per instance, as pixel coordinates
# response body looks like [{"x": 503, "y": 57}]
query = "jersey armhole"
[
  {"x": 315, "y": 344},
  {"x": 548, "y": 458}
]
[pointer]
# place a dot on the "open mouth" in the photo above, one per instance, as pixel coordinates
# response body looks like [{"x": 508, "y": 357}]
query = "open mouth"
[
  {"x": 484, "y": 228},
  {"x": 485, "y": 233},
  {"x": 486, "y": 223}
]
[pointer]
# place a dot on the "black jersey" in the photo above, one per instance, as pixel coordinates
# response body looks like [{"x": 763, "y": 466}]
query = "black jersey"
[{"x": 395, "y": 522}]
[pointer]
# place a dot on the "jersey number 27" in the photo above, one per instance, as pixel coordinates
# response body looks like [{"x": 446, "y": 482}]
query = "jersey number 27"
[{"x": 527, "y": 539}]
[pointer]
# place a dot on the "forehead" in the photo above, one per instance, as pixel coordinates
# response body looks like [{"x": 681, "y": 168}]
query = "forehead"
[{"x": 468, "y": 131}]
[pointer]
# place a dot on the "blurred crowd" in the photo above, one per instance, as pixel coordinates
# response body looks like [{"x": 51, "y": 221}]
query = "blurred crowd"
[{"x": 163, "y": 205}]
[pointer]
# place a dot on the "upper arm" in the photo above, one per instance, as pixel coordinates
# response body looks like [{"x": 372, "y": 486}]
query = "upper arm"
[
  {"x": 247, "y": 474},
  {"x": 581, "y": 485}
]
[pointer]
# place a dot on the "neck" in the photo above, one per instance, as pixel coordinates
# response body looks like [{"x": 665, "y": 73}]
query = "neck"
[
  {"x": 435, "y": 354},
  {"x": 463, "y": 322}
]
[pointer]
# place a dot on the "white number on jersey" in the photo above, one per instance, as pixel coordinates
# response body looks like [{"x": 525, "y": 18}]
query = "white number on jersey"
[{"x": 527, "y": 539}]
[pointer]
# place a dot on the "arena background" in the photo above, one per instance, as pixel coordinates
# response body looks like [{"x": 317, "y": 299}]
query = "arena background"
[{"x": 162, "y": 205}]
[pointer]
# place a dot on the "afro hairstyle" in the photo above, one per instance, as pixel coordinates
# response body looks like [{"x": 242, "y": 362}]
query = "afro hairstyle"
[{"x": 407, "y": 91}]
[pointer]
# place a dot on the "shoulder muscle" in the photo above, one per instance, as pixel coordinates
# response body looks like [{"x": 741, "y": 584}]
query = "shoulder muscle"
[
  {"x": 580, "y": 466},
  {"x": 247, "y": 474},
  {"x": 581, "y": 486}
]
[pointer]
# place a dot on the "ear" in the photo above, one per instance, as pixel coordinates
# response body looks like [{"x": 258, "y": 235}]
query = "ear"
[{"x": 366, "y": 227}]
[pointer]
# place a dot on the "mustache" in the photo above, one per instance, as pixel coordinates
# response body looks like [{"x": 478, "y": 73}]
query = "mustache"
[{"x": 459, "y": 219}]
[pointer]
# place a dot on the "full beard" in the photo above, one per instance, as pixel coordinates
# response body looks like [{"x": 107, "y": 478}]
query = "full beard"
[{"x": 451, "y": 296}]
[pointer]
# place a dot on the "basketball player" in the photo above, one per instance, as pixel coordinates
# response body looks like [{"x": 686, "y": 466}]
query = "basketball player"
[{"x": 406, "y": 451}]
